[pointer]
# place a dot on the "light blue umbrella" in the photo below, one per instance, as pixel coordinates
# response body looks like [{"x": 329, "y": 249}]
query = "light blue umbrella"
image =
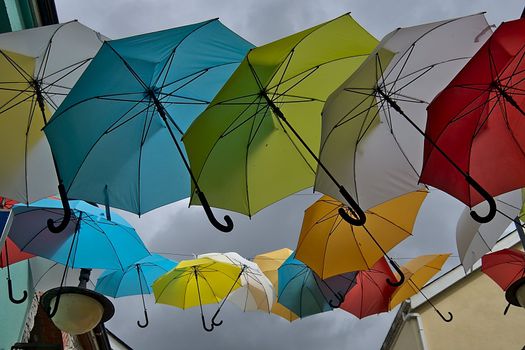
[
  {"x": 88, "y": 241},
  {"x": 305, "y": 293},
  {"x": 116, "y": 138},
  {"x": 136, "y": 279}
]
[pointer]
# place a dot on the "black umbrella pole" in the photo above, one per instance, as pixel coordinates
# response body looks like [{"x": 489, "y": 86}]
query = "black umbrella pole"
[
  {"x": 353, "y": 206},
  {"x": 10, "y": 283},
  {"x": 228, "y": 227},
  {"x": 490, "y": 200}
]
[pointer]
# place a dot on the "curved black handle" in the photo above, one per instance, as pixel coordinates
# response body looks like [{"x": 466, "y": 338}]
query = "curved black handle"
[
  {"x": 52, "y": 313},
  {"x": 340, "y": 300},
  {"x": 213, "y": 322},
  {"x": 224, "y": 228},
  {"x": 491, "y": 201},
  {"x": 67, "y": 212},
  {"x": 204, "y": 325},
  {"x": 11, "y": 297},
  {"x": 401, "y": 275},
  {"x": 354, "y": 207},
  {"x": 146, "y": 323},
  {"x": 443, "y": 317}
]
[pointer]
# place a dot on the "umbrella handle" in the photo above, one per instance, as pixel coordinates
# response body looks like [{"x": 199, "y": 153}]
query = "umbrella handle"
[
  {"x": 146, "y": 323},
  {"x": 11, "y": 297},
  {"x": 450, "y": 316},
  {"x": 340, "y": 299},
  {"x": 204, "y": 325},
  {"x": 213, "y": 319},
  {"x": 491, "y": 201},
  {"x": 354, "y": 207},
  {"x": 67, "y": 212},
  {"x": 401, "y": 275},
  {"x": 207, "y": 209}
]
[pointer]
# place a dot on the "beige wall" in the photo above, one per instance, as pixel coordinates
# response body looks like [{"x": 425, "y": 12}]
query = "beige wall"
[
  {"x": 408, "y": 338},
  {"x": 477, "y": 304}
]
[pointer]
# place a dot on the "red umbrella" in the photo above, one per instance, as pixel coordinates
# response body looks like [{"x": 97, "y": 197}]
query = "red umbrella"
[
  {"x": 372, "y": 293},
  {"x": 504, "y": 267},
  {"x": 6, "y": 203},
  {"x": 14, "y": 254},
  {"x": 476, "y": 125}
]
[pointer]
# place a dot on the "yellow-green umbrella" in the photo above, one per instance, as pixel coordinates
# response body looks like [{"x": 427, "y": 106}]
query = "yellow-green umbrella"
[
  {"x": 269, "y": 263},
  {"x": 418, "y": 272},
  {"x": 330, "y": 246},
  {"x": 258, "y": 140},
  {"x": 197, "y": 282}
]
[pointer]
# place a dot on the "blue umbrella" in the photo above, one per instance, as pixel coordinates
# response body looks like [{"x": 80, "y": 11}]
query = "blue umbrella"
[
  {"x": 305, "y": 293},
  {"x": 116, "y": 137},
  {"x": 136, "y": 279}
]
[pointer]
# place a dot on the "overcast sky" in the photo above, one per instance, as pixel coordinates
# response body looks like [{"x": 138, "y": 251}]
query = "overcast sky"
[{"x": 178, "y": 230}]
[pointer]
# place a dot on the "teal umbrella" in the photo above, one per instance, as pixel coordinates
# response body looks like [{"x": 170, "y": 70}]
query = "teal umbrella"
[{"x": 116, "y": 137}]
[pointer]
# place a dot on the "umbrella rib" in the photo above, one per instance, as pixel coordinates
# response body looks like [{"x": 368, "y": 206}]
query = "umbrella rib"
[
  {"x": 26, "y": 76},
  {"x": 3, "y": 110},
  {"x": 127, "y": 65},
  {"x": 509, "y": 129},
  {"x": 145, "y": 131},
  {"x": 26, "y": 146}
]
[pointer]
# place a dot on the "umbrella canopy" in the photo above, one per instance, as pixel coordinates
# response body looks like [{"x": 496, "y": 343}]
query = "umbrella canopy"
[
  {"x": 269, "y": 264},
  {"x": 477, "y": 121},
  {"x": 372, "y": 293},
  {"x": 89, "y": 240},
  {"x": 257, "y": 141},
  {"x": 256, "y": 292},
  {"x": 474, "y": 239},
  {"x": 302, "y": 292},
  {"x": 331, "y": 246},
  {"x": 12, "y": 253},
  {"x": 39, "y": 67},
  {"x": 370, "y": 138},
  {"x": 504, "y": 267},
  {"x": 418, "y": 272},
  {"x": 128, "y": 110}
]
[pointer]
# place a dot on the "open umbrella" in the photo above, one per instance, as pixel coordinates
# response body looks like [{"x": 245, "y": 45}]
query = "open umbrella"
[
  {"x": 197, "y": 282},
  {"x": 372, "y": 293},
  {"x": 418, "y": 272},
  {"x": 372, "y": 134},
  {"x": 476, "y": 124},
  {"x": 134, "y": 280},
  {"x": 257, "y": 142},
  {"x": 474, "y": 239},
  {"x": 39, "y": 67},
  {"x": 330, "y": 246},
  {"x": 504, "y": 267}
]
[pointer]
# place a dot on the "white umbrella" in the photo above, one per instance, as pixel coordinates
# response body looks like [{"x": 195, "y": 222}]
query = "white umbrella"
[
  {"x": 367, "y": 143},
  {"x": 39, "y": 66},
  {"x": 474, "y": 239}
]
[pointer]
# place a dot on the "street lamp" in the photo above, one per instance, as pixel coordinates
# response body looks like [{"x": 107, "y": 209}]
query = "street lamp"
[{"x": 515, "y": 294}]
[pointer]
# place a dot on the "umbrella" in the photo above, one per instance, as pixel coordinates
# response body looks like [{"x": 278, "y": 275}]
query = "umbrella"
[
  {"x": 301, "y": 291},
  {"x": 197, "y": 282},
  {"x": 129, "y": 109},
  {"x": 474, "y": 239},
  {"x": 256, "y": 292},
  {"x": 372, "y": 133},
  {"x": 475, "y": 125},
  {"x": 418, "y": 272},
  {"x": 331, "y": 246},
  {"x": 269, "y": 264},
  {"x": 134, "y": 280},
  {"x": 504, "y": 267},
  {"x": 257, "y": 141},
  {"x": 39, "y": 67},
  {"x": 372, "y": 293}
]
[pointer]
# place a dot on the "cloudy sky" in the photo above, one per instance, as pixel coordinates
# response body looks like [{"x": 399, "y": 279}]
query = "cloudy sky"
[{"x": 175, "y": 229}]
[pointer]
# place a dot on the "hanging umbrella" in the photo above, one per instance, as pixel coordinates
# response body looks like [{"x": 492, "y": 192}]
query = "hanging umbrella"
[
  {"x": 129, "y": 109},
  {"x": 418, "y": 272},
  {"x": 477, "y": 122},
  {"x": 372, "y": 293},
  {"x": 256, "y": 292},
  {"x": 269, "y": 264},
  {"x": 197, "y": 282},
  {"x": 504, "y": 267},
  {"x": 39, "y": 67},
  {"x": 257, "y": 142},
  {"x": 373, "y": 123},
  {"x": 330, "y": 246},
  {"x": 134, "y": 280},
  {"x": 300, "y": 289},
  {"x": 474, "y": 239}
]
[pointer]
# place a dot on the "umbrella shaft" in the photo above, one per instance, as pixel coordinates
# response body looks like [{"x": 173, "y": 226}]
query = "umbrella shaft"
[{"x": 509, "y": 98}]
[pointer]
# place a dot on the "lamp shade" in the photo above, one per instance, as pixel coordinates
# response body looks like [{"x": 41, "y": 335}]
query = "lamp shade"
[
  {"x": 79, "y": 310},
  {"x": 515, "y": 294}
]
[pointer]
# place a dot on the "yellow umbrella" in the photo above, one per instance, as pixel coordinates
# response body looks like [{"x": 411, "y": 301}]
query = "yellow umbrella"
[
  {"x": 197, "y": 282},
  {"x": 269, "y": 263},
  {"x": 418, "y": 272},
  {"x": 330, "y": 246}
]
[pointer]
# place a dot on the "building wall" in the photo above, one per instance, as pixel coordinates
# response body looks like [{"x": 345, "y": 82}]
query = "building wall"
[
  {"x": 477, "y": 304},
  {"x": 408, "y": 338}
]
